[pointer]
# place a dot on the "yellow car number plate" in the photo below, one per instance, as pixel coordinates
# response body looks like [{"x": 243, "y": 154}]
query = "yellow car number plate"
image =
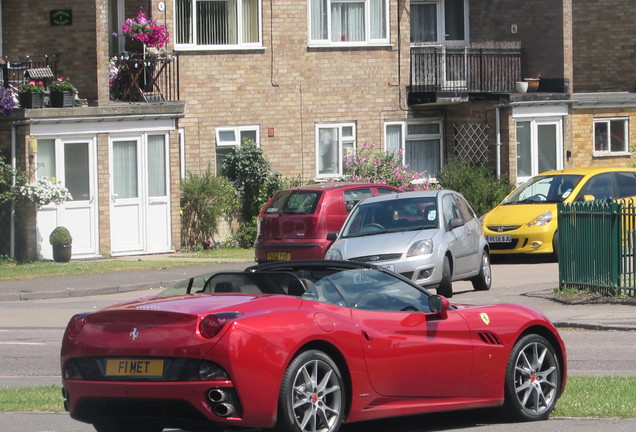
[
  {"x": 134, "y": 367},
  {"x": 278, "y": 256}
]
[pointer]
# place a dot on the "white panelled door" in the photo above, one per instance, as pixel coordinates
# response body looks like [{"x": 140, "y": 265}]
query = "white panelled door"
[
  {"x": 70, "y": 162},
  {"x": 140, "y": 204}
]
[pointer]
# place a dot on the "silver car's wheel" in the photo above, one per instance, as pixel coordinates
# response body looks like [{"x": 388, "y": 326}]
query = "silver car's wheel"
[
  {"x": 482, "y": 281},
  {"x": 533, "y": 379},
  {"x": 445, "y": 287},
  {"x": 312, "y": 395}
]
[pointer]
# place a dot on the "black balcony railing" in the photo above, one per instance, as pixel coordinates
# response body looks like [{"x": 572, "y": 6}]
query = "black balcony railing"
[
  {"x": 15, "y": 69},
  {"x": 472, "y": 69},
  {"x": 153, "y": 79}
]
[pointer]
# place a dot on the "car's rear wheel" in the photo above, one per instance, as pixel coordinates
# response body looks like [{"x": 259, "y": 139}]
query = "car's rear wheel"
[
  {"x": 445, "y": 287},
  {"x": 119, "y": 425},
  {"x": 533, "y": 379},
  {"x": 482, "y": 281},
  {"x": 312, "y": 396}
]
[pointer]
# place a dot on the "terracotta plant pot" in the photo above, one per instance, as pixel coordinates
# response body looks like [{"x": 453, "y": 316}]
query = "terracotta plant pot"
[{"x": 533, "y": 84}]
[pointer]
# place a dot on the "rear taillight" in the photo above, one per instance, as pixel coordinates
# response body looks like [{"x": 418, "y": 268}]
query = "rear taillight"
[
  {"x": 211, "y": 325},
  {"x": 75, "y": 325}
]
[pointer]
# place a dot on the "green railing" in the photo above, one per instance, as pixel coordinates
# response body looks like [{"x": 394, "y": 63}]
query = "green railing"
[{"x": 596, "y": 246}]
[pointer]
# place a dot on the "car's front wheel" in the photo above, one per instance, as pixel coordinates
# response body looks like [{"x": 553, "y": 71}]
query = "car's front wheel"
[
  {"x": 445, "y": 287},
  {"x": 482, "y": 281},
  {"x": 533, "y": 379},
  {"x": 312, "y": 396}
]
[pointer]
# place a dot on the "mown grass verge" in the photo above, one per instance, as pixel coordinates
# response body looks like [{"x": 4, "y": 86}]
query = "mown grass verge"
[
  {"x": 38, "y": 269},
  {"x": 606, "y": 397}
]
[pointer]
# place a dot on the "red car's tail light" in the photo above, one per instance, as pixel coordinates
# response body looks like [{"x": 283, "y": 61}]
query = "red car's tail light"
[
  {"x": 212, "y": 324},
  {"x": 75, "y": 325}
]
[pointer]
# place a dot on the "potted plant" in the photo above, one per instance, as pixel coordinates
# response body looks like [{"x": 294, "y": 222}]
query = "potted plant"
[
  {"x": 31, "y": 94},
  {"x": 61, "y": 240},
  {"x": 62, "y": 93}
]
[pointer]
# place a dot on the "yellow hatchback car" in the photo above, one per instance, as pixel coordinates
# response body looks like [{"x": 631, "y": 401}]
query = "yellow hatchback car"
[{"x": 526, "y": 221}]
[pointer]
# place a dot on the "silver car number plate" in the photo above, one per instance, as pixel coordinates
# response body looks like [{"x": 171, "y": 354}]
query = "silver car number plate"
[{"x": 499, "y": 238}]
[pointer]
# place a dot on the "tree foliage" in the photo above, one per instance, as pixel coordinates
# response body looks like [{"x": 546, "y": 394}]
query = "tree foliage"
[{"x": 480, "y": 186}]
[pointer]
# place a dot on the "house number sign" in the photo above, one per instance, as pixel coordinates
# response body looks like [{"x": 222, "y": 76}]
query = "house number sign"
[{"x": 61, "y": 17}]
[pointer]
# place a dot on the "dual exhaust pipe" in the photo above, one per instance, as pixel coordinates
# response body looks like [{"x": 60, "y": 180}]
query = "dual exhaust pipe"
[{"x": 221, "y": 403}]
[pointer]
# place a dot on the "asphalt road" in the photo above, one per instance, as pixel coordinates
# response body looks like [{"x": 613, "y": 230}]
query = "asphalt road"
[{"x": 30, "y": 334}]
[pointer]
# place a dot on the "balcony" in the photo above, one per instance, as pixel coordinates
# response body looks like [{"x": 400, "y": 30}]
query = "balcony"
[
  {"x": 154, "y": 79},
  {"x": 16, "y": 70},
  {"x": 460, "y": 74}
]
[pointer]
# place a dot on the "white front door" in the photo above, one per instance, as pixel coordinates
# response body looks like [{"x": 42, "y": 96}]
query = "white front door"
[
  {"x": 539, "y": 147},
  {"x": 71, "y": 162},
  {"x": 140, "y": 204}
]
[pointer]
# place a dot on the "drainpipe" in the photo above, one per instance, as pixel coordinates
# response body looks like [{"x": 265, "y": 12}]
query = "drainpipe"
[
  {"x": 14, "y": 165},
  {"x": 498, "y": 144}
]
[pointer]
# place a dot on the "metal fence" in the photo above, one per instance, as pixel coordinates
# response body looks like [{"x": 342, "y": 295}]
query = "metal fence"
[{"x": 596, "y": 246}]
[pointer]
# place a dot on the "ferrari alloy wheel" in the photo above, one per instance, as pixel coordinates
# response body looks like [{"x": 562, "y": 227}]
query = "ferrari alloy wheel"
[
  {"x": 445, "y": 287},
  {"x": 533, "y": 379},
  {"x": 482, "y": 281},
  {"x": 312, "y": 395}
]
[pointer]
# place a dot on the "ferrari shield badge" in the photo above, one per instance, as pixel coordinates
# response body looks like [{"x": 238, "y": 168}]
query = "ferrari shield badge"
[{"x": 485, "y": 318}]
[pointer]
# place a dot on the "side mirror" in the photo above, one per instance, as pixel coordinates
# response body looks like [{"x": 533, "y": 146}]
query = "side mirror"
[
  {"x": 439, "y": 305},
  {"x": 332, "y": 236},
  {"x": 588, "y": 198},
  {"x": 455, "y": 222}
]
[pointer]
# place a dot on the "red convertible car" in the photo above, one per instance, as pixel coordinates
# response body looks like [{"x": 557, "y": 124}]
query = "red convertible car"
[{"x": 304, "y": 346}]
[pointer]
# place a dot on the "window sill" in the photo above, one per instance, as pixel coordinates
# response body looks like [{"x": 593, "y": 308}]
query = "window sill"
[
  {"x": 348, "y": 45},
  {"x": 598, "y": 154},
  {"x": 219, "y": 48}
]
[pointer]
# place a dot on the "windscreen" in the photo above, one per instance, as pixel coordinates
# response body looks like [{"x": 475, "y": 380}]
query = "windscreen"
[
  {"x": 406, "y": 214},
  {"x": 544, "y": 189}
]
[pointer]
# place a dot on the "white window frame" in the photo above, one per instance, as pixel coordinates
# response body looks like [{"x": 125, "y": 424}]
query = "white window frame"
[
  {"x": 368, "y": 39},
  {"x": 342, "y": 141},
  {"x": 237, "y": 135},
  {"x": 240, "y": 45},
  {"x": 608, "y": 122},
  {"x": 441, "y": 24},
  {"x": 404, "y": 124}
]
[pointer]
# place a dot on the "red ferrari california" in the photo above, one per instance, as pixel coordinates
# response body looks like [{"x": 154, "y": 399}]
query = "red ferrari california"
[{"x": 304, "y": 346}]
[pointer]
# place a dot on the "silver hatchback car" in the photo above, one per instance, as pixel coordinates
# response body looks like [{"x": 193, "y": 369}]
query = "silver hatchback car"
[{"x": 430, "y": 237}]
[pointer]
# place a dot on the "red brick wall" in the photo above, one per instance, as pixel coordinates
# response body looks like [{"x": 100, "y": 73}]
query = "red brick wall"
[
  {"x": 540, "y": 28},
  {"x": 26, "y": 30},
  {"x": 604, "y": 45}
]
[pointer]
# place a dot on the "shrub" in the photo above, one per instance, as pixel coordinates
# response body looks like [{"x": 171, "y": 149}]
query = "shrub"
[
  {"x": 60, "y": 236},
  {"x": 205, "y": 199},
  {"x": 478, "y": 185},
  {"x": 252, "y": 176},
  {"x": 372, "y": 166},
  {"x": 245, "y": 236}
]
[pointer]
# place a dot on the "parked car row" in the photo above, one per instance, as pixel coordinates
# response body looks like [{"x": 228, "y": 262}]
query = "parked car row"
[
  {"x": 434, "y": 237},
  {"x": 430, "y": 237}
]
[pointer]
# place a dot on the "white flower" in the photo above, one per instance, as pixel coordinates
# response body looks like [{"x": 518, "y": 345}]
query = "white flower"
[{"x": 44, "y": 191}]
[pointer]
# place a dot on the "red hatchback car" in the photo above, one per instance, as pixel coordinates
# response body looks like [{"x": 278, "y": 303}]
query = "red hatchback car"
[{"x": 295, "y": 222}]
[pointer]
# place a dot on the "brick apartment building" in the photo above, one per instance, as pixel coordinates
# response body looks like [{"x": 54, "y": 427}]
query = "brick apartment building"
[{"x": 308, "y": 81}]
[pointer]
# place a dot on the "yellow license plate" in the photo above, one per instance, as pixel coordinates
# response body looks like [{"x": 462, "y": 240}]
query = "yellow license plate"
[
  {"x": 134, "y": 367},
  {"x": 278, "y": 256}
]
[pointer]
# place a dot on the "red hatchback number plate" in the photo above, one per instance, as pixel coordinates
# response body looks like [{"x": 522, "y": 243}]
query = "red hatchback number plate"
[
  {"x": 278, "y": 256},
  {"x": 134, "y": 367}
]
